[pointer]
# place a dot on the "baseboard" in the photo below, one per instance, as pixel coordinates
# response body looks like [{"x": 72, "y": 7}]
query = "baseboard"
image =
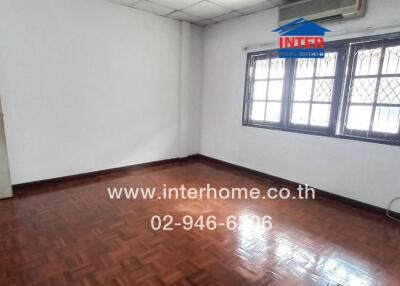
[
  {"x": 318, "y": 193},
  {"x": 38, "y": 186}
]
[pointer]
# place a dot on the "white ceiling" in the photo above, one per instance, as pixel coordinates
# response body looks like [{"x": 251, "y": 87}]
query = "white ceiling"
[{"x": 202, "y": 12}]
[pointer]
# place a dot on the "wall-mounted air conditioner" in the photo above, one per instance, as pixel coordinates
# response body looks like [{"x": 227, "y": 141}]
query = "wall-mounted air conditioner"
[{"x": 320, "y": 10}]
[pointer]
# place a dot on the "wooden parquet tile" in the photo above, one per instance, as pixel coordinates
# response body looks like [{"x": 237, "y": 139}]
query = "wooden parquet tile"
[{"x": 71, "y": 233}]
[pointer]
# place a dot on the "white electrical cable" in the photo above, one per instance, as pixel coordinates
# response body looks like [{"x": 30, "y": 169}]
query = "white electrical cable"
[{"x": 388, "y": 210}]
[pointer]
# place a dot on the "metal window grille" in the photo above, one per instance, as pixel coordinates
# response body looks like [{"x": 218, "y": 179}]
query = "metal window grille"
[
  {"x": 353, "y": 93},
  {"x": 372, "y": 95},
  {"x": 266, "y": 89},
  {"x": 312, "y": 91}
]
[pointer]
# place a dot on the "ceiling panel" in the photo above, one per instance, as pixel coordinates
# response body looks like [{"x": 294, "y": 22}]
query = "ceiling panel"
[
  {"x": 237, "y": 4},
  {"x": 125, "y": 2},
  {"x": 176, "y": 4},
  {"x": 205, "y": 22},
  {"x": 258, "y": 7},
  {"x": 202, "y": 12},
  {"x": 283, "y": 2},
  {"x": 152, "y": 8},
  {"x": 206, "y": 10},
  {"x": 182, "y": 16},
  {"x": 228, "y": 16}
]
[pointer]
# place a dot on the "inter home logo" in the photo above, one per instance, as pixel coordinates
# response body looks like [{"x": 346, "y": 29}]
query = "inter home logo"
[{"x": 301, "y": 39}]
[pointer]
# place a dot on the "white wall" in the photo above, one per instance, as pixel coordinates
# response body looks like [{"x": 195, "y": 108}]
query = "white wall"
[
  {"x": 363, "y": 171},
  {"x": 191, "y": 80},
  {"x": 87, "y": 85}
]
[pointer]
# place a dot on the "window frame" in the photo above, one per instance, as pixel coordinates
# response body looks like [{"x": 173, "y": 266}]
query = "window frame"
[
  {"x": 336, "y": 90},
  {"x": 339, "y": 95},
  {"x": 249, "y": 86},
  {"x": 373, "y": 135}
]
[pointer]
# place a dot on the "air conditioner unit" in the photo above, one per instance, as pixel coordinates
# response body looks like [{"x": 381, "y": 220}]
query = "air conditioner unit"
[{"x": 320, "y": 10}]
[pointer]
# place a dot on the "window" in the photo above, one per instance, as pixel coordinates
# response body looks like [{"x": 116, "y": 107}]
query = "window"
[
  {"x": 353, "y": 93},
  {"x": 372, "y": 104},
  {"x": 313, "y": 91},
  {"x": 267, "y": 89},
  {"x": 291, "y": 94}
]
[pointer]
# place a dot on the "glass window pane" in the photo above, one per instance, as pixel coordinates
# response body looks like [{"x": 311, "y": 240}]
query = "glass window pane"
[
  {"x": 275, "y": 89},
  {"x": 302, "y": 89},
  {"x": 261, "y": 69},
  {"x": 368, "y": 61},
  {"x": 363, "y": 90},
  {"x": 323, "y": 89},
  {"x": 320, "y": 114},
  {"x": 327, "y": 65},
  {"x": 391, "y": 62},
  {"x": 359, "y": 117},
  {"x": 389, "y": 90},
  {"x": 300, "y": 113},
  {"x": 258, "y": 111},
  {"x": 386, "y": 119},
  {"x": 277, "y": 68},
  {"x": 305, "y": 68},
  {"x": 273, "y": 111},
  {"x": 260, "y": 90}
]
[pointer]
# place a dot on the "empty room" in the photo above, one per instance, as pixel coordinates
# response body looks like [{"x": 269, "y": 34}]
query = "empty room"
[{"x": 200, "y": 142}]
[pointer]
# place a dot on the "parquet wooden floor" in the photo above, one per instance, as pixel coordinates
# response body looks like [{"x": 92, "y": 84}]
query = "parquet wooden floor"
[{"x": 72, "y": 234}]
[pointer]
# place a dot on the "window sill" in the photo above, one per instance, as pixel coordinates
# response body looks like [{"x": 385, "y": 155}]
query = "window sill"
[{"x": 324, "y": 134}]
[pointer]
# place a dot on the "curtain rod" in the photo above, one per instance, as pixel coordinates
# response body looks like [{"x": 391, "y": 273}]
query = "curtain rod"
[{"x": 332, "y": 36}]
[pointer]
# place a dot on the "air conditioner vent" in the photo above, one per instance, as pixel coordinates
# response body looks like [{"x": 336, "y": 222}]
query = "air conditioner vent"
[{"x": 321, "y": 10}]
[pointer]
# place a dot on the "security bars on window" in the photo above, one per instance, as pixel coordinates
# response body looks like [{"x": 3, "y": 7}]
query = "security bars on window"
[
  {"x": 354, "y": 92},
  {"x": 313, "y": 90},
  {"x": 267, "y": 90},
  {"x": 373, "y": 91}
]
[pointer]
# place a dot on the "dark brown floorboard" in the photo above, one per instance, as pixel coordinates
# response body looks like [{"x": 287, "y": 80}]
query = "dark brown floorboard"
[{"x": 71, "y": 233}]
